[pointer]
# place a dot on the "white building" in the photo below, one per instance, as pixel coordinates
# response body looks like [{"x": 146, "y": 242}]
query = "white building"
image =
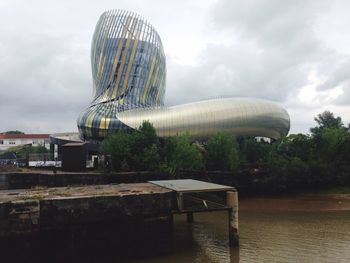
[{"x": 11, "y": 140}]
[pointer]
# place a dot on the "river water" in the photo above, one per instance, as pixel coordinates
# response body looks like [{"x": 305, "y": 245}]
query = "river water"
[
  {"x": 294, "y": 229},
  {"x": 274, "y": 236}
]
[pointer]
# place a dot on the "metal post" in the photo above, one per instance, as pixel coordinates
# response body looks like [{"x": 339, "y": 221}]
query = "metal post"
[{"x": 232, "y": 202}]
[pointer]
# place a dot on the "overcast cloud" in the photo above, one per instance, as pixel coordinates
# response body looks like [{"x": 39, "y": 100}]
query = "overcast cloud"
[{"x": 293, "y": 52}]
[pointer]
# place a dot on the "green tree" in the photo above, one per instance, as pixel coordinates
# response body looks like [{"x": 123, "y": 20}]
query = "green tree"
[
  {"x": 182, "y": 154},
  {"x": 222, "y": 152},
  {"x": 13, "y": 132},
  {"x": 254, "y": 152},
  {"x": 168, "y": 149},
  {"x": 133, "y": 150},
  {"x": 285, "y": 174},
  {"x": 145, "y": 148},
  {"x": 326, "y": 120},
  {"x": 332, "y": 144},
  {"x": 118, "y": 146},
  {"x": 151, "y": 158},
  {"x": 149, "y": 135},
  {"x": 22, "y": 151},
  {"x": 298, "y": 145}
]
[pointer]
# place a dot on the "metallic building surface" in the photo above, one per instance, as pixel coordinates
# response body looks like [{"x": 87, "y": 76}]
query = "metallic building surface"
[
  {"x": 129, "y": 75},
  {"x": 238, "y": 116},
  {"x": 128, "y": 70}
]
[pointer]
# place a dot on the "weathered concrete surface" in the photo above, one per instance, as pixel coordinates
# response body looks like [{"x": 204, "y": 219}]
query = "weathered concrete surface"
[
  {"x": 19, "y": 217},
  {"x": 33, "y": 178},
  {"x": 26, "y": 180},
  {"x": 27, "y": 211}
]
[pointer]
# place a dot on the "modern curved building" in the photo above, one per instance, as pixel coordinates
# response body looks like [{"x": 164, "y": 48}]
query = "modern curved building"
[
  {"x": 128, "y": 70},
  {"x": 129, "y": 75}
]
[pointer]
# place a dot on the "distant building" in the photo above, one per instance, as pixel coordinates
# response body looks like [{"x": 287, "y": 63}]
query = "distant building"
[{"x": 12, "y": 140}]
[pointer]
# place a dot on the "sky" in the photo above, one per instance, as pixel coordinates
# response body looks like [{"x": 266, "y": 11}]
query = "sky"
[{"x": 293, "y": 52}]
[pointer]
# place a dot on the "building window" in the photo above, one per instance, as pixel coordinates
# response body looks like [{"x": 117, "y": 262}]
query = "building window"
[
  {"x": 1, "y": 141},
  {"x": 12, "y": 142}
]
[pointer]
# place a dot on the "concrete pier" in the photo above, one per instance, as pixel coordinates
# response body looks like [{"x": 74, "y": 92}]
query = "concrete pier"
[
  {"x": 41, "y": 209},
  {"x": 28, "y": 211}
]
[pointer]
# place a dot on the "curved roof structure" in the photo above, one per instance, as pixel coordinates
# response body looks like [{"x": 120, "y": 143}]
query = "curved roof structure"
[
  {"x": 238, "y": 116},
  {"x": 129, "y": 75}
]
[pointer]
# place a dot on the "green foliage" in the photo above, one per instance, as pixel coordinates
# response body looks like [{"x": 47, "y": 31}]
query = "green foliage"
[
  {"x": 22, "y": 151},
  {"x": 296, "y": 163},
  {"x": 330, "y": 144},
  {"x": 326, "y": 120},
  {"x": 300, "y": 145},
  {"x": 141, "y": 150},
  {"x": 222, "y": 152},
  {"x": 137, "y": 150},
  {"x": 299, "y": 162},
  {"x": 151, "y": 158},
  {"x": 13, "y": 132},
  {"x": 181, "y": 154},
  {"x": 145, "y": 148},
  {"x": 118, "y": 146},
  {"x": 146, "y": 136},
  {"x": 254, "y": 152}
]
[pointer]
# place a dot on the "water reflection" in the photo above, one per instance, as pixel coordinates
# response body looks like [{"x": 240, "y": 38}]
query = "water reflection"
[
  {"x": 295, "y": 237},
  {"x": 264, "y": 237}
]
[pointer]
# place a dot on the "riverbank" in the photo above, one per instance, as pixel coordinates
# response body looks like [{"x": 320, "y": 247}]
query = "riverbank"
[
  {"x": 303, "y": 203},
  {"x": 328, "y": 199}
]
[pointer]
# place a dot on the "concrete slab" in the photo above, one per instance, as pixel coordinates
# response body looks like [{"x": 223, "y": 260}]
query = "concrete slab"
[
  {"x": 189, "y": 185},
  {"x": 40, "y": 193}
]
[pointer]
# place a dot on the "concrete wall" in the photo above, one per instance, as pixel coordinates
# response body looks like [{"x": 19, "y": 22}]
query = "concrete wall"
[{"x": 27, "y": 215}]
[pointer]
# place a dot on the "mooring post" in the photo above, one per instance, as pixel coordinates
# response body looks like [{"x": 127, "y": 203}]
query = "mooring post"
[
  {"x": 232, "y": 202},
  {"x": 180, "y": 201}
]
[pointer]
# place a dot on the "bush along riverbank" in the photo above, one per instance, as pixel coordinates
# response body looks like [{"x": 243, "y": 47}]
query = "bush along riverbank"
[{"x": 298, "y": 163}]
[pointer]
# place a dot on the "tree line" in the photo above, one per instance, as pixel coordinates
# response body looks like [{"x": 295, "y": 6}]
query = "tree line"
[{"x": 297, "y": 162}]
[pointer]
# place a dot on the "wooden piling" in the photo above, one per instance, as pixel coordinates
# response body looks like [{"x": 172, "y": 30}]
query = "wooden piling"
[
  {"x": 180, "y": 201},
  {"x": 232, "y": 202}
]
